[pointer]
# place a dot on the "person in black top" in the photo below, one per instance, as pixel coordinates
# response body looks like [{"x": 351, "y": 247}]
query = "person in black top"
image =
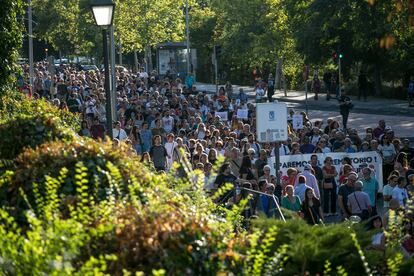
[
  {"x": 345, "y": 105},
  {"x": 225, "y": 176},
  {"x": 246, "y": 169},
  {"x": 362, "y": 86},
  {"x": 311, "y": 208},
  {"x": 343, "y": 192},
  {"x": 327, "y": 79}
]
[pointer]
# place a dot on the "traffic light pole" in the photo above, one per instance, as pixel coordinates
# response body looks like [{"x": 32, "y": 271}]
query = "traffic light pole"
[
  {"x": 339, "y": 77},
  {"x": 216, "y": 69}
]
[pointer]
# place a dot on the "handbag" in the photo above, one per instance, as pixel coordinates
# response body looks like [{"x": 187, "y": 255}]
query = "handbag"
[
  {"x": 327, "y": 185},
  {"x": 364, "y": 213}
]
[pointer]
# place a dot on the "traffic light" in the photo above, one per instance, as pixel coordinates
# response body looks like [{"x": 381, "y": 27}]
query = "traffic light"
[
  {"x": 217, "y": 51},
  {"x": 341, "y": 56}
]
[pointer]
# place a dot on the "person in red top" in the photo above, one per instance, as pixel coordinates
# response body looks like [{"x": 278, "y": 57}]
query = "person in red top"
[
  {"x": 329, "y": 186},
  {"x": 344, "y": 174}
]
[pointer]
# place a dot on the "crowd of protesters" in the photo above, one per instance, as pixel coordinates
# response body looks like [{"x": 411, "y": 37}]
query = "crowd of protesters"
[{"x": 166, "y": 120}]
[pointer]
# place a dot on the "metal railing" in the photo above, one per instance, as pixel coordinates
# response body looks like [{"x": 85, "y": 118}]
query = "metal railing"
[{"x": 275, "y": 200}]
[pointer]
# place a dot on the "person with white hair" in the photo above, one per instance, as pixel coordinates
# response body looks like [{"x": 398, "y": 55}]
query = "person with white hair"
[
  {"x": 310, "y": 180},
  {"x": 359, "y": 203}
]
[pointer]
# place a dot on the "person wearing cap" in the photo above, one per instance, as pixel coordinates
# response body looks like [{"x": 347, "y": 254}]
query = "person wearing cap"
[
  {"x": 370, "y": 185},
  {"x": 359, "y": 203},
  {"x": 310, "y": 180}
]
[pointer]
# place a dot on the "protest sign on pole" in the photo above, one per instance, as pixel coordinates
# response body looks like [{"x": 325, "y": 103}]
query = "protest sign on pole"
[
  {"x": 271, "y": 125},
  {"x": 223, "y": 116},
  {"x": 359, "y": 160},
  {"x": 242, "y": 113},
  {"x": 271, "y": 122},
  {"x": 297, "y": 122}
]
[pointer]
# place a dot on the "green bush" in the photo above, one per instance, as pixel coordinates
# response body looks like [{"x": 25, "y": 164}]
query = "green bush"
[
  {"x": 148, "y": 228},
  {"x": 35, "y": 165},
  {"x": 26, "y": 123}
]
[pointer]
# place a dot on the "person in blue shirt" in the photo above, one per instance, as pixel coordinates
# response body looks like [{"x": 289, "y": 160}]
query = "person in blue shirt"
[
  {"x": 348, "y": 146},
  {"x": 189, "y": 81},
  {"x": 370, "y": 187},
  {"x": 242, "y": 96}
]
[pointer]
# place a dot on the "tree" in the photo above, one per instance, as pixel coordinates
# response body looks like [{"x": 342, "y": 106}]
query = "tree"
[
  {"x": 66, "y": 25},
  {"x": 11, "y": 40}
]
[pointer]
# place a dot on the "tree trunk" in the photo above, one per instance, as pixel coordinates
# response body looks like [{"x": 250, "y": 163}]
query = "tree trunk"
[
  {"x": 378, "y": 80},
  {"x": 148, "y": 57},
  {"x": 136, "y": 61}
]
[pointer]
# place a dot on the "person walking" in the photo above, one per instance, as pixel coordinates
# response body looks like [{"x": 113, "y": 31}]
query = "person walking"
[
  {"x": 345, "y": 105},
  {"x": 410, "y": 91},
  {"x": 316, "y": 86},
  {"x": 311, "y": 208},
  {"x": 329, "y": 187},
  {"x": 359, "y": 203},
  {"x": 290, "y": 201},
  {"x": 362, "y": 86},
  {"x": 158, "y": 154},
  {"x": 270, "y": 88},
  {"x": 327, "y": 79}
]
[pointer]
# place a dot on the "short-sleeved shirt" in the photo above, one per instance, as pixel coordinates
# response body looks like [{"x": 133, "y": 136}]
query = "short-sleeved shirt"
[
  {"x": 371, "y": 188},
  {"x": 358, "y": 201},
  {"x": 387, "y": 191},
  {"x": 286, "y": 203},
  {"x": 345, "y": 191}
]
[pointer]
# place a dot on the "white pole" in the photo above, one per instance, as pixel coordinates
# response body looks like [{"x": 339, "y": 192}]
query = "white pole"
[
  {"x": 188, "y": 38},
  {"x": 30, "y": 45},
  {"x": 113, "y": 72}
]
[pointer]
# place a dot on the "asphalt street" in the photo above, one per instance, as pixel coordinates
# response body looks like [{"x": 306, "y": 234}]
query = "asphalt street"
[{"x": 396, "y": 113}]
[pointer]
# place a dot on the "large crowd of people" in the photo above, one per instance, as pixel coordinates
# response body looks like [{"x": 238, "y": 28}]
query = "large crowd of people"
[{"x": 168, "y": 120}]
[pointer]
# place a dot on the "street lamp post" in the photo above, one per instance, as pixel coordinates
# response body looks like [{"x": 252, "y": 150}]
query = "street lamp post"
[
  {"x": 30, "y": 45},
  {"x": 187, "y": 38},
  {"x": 103, "y": 11}
]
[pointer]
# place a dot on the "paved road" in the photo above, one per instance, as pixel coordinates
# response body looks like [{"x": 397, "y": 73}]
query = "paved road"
[{"x": 396, "y": 113}]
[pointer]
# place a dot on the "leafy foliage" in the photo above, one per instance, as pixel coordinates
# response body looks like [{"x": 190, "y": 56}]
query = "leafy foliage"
[
  {"x": 11, "y": 40},
  {"x": 29, "y": 123}
]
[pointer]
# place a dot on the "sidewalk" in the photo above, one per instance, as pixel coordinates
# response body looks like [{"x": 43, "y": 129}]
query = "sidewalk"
[{"x": 372, "y": 106}]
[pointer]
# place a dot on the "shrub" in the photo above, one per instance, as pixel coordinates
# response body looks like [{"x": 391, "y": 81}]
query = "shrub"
[
  {"x": 29, "y": 123},
  {"x": 35, "y": 165},
  {"x": 29, "y": 132}
]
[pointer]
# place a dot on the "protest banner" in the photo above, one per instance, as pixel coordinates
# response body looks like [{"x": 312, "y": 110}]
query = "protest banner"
[
  {"x": 359, "y": 160},
  {"x": 223, "y": 116}
]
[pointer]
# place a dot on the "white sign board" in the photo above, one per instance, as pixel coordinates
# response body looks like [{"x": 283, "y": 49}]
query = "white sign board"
[
  {"x": 223, "y": 116},
  {"x": 271, "y": 122},
  {"x": 242, "y": 113},
  {"x": 297, "y": 122},
  {"x": 359, "y": 160}
]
